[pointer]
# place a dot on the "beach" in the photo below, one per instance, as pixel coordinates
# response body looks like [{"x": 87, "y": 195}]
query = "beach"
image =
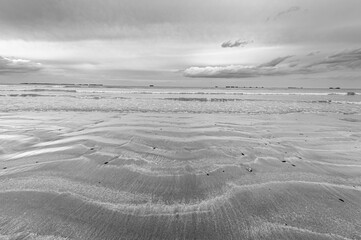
[{"x": 109, "y": 163}]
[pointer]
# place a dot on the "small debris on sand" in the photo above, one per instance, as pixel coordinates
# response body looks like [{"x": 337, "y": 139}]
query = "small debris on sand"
[
  {"x": 106, "y": 162},
  {"x": 341, "y": 200},
  {"x": 283, "y": 161},
  {"x": 92, "y": 148},
  {"x": 207, "y": 174},
  {"x": 242, "y": 154},
  {"x": 4, "y": 167},
  {"x": 249, "y": 169},
  {"x": 293, "y": 165},
  {"x": 154, "y": 148}
]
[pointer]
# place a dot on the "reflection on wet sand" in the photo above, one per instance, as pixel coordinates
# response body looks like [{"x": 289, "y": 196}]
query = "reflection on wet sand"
[{"x": 187, "y": 176}]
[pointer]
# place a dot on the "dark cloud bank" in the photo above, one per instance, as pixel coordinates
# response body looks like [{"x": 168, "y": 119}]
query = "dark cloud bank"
[
  {"x": 285, "y": 12},
  {"x": 350, "y": 59},
  {"x": 238, "y": 43},
  {"x": 13, "y": 65}
]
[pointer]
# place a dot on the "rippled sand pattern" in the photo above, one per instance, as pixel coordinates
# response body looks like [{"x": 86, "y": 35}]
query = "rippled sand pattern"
[{"x": 70, "y": 175}]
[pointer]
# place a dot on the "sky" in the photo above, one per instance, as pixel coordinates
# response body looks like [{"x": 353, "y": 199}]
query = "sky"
[{"x": 271, "y": 43}]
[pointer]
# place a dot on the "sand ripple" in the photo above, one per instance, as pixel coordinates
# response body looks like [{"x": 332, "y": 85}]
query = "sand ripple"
[{"x": 90, "y": 176}]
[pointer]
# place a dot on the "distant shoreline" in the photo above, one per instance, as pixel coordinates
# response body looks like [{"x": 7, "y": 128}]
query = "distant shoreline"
[{"x": 226, "y": 87}]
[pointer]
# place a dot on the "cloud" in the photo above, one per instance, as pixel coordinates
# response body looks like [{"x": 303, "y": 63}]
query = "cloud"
[
  {"x": 238, "y": 43},
  {"x": 286, "y": 12},
  {"x": 313, "y": 53},
  {"x": 347, "y": 59},
  {"x": 237, "y": 71},
  {"x": 291, "y": 9},
  {"x": 232, "y": 71},
  {"x": 185, "y": 22},
  {"x": 118, "y": 19},
  {"x": 350, "y": 59},
  {"x": 14, "y": 65},
  {"x": 274, "y": 62}
]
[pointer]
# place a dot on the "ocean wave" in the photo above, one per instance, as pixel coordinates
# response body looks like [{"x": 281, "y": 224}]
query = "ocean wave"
[
  {"x": 216, "y": 93},
  {"x": 35, "y": 95},
  {"x": 50, "y": 90},
  {"x": 347, "y": 102},
  {"x": 190, "y": 99},
  {"x": 181, "y": 111},
  {"x": 184, "y": 99},
  {"x": 28, "y": 95},
  {"x": 37, "y": 90}
]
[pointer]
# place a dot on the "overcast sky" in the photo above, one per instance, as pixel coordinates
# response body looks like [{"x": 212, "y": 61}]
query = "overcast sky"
[{"x": 187, "y": 43}]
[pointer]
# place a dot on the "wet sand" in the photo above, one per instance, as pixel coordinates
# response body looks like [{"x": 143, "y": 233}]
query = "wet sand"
[{"x": 69, "y": 175}]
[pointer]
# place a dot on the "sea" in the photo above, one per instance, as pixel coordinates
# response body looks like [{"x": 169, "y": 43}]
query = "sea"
[{"x": 99, "y": 98}]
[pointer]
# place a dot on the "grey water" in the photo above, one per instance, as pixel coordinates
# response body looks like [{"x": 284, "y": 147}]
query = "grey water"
[{"x": 184, "y": 100}]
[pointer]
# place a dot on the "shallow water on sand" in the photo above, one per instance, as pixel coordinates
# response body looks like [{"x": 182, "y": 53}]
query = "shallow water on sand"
[
  {"x": 173, "y": 100},
  {"x": 149, "y": 171}
]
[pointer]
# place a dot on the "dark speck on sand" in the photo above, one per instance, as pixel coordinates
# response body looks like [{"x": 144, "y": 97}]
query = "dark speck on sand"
[{"x": 174, "y": 185}]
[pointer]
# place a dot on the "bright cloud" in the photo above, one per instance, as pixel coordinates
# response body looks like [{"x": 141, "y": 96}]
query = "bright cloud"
[{"x": 13, "y": 65}]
